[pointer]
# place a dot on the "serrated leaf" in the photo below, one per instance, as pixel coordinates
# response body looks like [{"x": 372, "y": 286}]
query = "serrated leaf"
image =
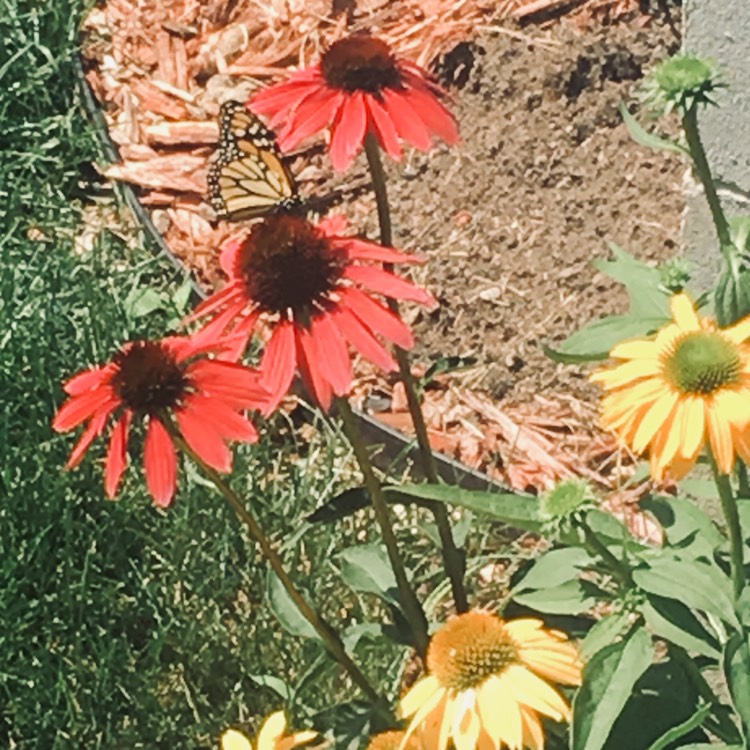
[
  {"x": 608, "y": 682},
  {"x": 672, "y": 620},
  {"x": 554, "y": 568},
  {"x": 366, "y": 568},
  {"x": 604, "y": 633},
  {"x": 285, "y": 610},
  {"x": 650, "y": 140},
  {"x": 570, "y": 598},
  {"x": 737, "y": 672},
  {"x": 697, "y": 584},
  {"x": 519, "y": 511},
  {"x": 596, "y": 339}
]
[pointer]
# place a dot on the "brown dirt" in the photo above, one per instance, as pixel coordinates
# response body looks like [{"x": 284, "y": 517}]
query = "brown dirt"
[{"x": 545, "y": 176}]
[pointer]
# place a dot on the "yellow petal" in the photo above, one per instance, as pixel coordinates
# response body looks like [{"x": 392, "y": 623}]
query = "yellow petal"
[
  {"x": 466, "y": 726},
  {"x": 627, "y": 373},
  {"x": 298, "y": 738},
  {"x": 273, "y": 727},
  {"x": 733, "y": 406},
  {"x": 429, "y": 731},
  {"x": 693, "y": 425},
  {"x": 535, "y": 692},
  {"x": 683, "y": 313},
  {"x": 234, "y": 740},
  {"x": 667, "y": 441},
  {"x": 533, "y": 735},
  {"x": 739, "y": 332},
  {"x": 635, "y": 349},
  {"x": 720, "y": 437},
  {"x": 500, "y": 714},
  {"x": 654, "y": 420},
  {"x": 422, "y": 715},
  {"x": 419, "y": 694}
]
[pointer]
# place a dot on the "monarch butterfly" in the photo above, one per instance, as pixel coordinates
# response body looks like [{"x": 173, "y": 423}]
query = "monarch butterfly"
[{"x": 250, "y": 178}]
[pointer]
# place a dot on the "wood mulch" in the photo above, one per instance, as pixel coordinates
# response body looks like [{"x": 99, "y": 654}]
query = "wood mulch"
[{"x": 160, "y": 71}]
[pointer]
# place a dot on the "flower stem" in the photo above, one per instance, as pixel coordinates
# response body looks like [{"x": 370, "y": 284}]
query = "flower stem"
[
  {"x": 452, "y": 557},
  {"x": 325, "y": 631},
  {"x": 732, "y": 519},
  {"x": 412, "y": 608},
  {"x": 618, "y": 569},
  {"x": 700, "y": 162}
]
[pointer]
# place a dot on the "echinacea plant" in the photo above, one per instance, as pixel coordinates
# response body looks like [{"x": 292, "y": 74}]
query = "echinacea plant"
[{"x": 651, "y": 614}]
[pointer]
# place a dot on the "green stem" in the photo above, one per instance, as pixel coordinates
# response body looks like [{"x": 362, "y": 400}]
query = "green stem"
[
  {"x": 732, "y": 519},
  {"x": 412, "y": 608},
  {"x": 618, "y": 569},
  {"x": 325, "y": 631},
  {"x": 700, "y": 162},
  {"x": 452, "y": 557},
  {"x": 742, "y": 479}
]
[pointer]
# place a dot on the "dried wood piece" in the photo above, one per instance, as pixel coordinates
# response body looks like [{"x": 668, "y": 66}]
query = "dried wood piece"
[
  {"x": 177, "y": 172},
  {"x": 152, "y": 99},
  {"x": 183, "y": 132}
]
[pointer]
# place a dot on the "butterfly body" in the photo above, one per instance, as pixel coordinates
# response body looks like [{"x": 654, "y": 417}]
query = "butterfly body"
[{"x": 250, "y": 178}]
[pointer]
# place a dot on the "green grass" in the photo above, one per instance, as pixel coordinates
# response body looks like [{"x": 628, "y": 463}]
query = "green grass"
[{"x": 121, "y": 626}]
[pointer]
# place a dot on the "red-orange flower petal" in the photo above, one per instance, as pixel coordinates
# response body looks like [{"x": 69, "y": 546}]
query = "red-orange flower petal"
[
  {"x": 160, "y": 463},
  {"x": 117, "y": 455}
]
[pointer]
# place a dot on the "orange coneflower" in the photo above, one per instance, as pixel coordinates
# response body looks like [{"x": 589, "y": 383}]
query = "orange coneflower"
[
  {"x": 358, "y": 87},
  {"x": 487, "y": 684},
  {"x": 306, "y": 280},
  {"x": 154, "y": 380}
]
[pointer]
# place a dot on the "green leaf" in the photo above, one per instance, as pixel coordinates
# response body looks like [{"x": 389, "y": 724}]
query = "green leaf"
[
  {"x": 642, "y": 281},
  {"x": 520, "y": 511},
  {"x": 695, "y": 583},
  {"x": 604, "y": 633},
  {"x": 554, "y": 568},
  {"x": 355, "y": 633},
  {"x": 743, "y": 510},
  {"x": 596, "y": 339},
  {"x": 644, "y": 138},
  {"x": 685, "y": 727},
  {"x": 685, "y": 524},
  {"x": 672, "y": 620},
  {"x": 366, "y": 568},
  {"x": 285, "y": 610},
  {"x": 570, "y": 598},
  {"x": 737, "y": 671},
  {"x": 608, "y": 682},
  {"x": 181, "y": 298},
  {"x": 343, "y": 505},
  {"x": 443, "y": 365},
  {"x": 279, "y": 686},
  {"x": 142, "y": 302},
  {"x": 710, "y": 746}
]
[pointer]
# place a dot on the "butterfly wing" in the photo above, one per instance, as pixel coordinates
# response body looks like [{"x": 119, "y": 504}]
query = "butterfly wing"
[{"x": 250, "y": 178}]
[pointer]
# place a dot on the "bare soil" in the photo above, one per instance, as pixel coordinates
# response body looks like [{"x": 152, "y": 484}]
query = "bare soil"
[{"x": 546, "y": 175}]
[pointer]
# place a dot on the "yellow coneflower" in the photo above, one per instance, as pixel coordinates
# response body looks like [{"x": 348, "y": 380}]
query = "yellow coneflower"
[
  {"x": 674, "y": 392},
  {"x": 270, "y": 737},
  {"x": 486, "y": 686}
]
